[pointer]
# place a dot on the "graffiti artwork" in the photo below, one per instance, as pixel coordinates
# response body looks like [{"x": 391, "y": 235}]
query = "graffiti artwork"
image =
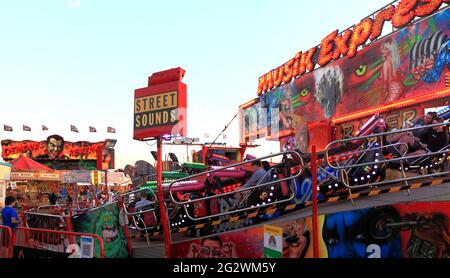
[
  {"x": 247, "y": 244},
  {"x": 407, "y": 64},
  {"x": 414, "y": 230},
  {"x": 104, "y": 222}
]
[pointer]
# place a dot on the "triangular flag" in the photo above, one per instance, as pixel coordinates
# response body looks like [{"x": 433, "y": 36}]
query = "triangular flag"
[
  {"x": 205, "y": 135},
  {"x": 44, "y": 127},
  {"x": 92, "y": 129},
  {"x": 73, "y": 128},
  {"x": 111, "y": 130},
  {"x": 26, "y": 128},
  {"x": 7, "y": 128}
]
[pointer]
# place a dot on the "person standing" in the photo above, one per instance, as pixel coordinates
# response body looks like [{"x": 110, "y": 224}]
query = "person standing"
[{"x": 9, "y": 214}]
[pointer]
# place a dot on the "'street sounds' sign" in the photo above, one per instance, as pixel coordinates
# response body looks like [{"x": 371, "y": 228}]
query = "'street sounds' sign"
[{"x": 160, "y": 108}]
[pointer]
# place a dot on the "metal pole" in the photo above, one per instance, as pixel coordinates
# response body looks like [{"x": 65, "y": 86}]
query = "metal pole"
[
  {"x": 314, "y": 201},
  {"x": 105, "y": 188},
  {"x": 204, "y": 150},
  {"x": 162, "y": 206}
]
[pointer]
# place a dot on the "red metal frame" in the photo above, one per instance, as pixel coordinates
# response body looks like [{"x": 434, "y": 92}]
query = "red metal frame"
[
  {"x": 6, "y": 240},
  {"x": 162, "y": 205},
  {"x": 314, "y": 200}
]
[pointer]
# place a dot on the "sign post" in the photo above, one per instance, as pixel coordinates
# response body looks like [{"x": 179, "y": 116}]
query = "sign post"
[{"x": 159, "y": 111}]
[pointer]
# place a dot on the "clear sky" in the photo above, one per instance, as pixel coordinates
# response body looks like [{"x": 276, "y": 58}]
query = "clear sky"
[{"x": 75, "y": 62}]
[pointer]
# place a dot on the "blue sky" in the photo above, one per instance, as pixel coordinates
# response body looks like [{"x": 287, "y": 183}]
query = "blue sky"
[{"x": 75, "y": 62}]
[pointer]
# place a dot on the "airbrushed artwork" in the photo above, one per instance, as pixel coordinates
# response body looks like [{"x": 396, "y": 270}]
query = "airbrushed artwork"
[
  {"x": 414, "y": 230},
  {"x": 409, "y": 63}
]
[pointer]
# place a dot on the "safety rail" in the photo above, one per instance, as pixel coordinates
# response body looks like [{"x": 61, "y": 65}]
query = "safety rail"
[
  {"x": 403, "y": 158},
  {"x": 185, "y": 204},
  {"x": 47, "y": 221},
  {"x": 6, "y": 239},
  {"x": 148, "y": 208},
  {"x": 56, "y": 243}
]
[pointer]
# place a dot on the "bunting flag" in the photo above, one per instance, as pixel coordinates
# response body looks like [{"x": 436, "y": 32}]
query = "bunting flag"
[
  {"x": 44, "y": 127},
  {"x": 26, "y": 128},
  {"x": 92, "y": 129},
  {"x": 205, "y": 135},
  {"x": 7, "y": 128},
  {"x": 224, "y": 136},
  {"x": 111, "y": 130},
  {"x": 73, "y": 128}
]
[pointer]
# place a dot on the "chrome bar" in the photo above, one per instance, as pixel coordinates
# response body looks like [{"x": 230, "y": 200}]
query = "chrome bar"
[
  {"x": 263, "y": 205},
  {"x": 230, "y": 166}
]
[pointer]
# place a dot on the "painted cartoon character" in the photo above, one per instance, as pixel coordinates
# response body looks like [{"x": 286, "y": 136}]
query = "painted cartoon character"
[
  {"x": 296, "y": 238},
  {"x": 430, "y": 56},
  {"x": 286, "y": 108},
  {"x": 392, "y": 86},
  {"x": 329, "y": 88},
  {"x": 346, "y": 235},
  {"x": 105, "y": 223}
]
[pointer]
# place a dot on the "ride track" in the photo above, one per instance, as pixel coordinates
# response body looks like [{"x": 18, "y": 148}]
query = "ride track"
[{"x": 285, "y": 209}]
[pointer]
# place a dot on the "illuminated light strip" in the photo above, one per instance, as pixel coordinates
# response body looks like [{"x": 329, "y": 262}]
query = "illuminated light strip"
[
  {"x": 249, "y": 103},
  {"x": 395, "y": 105},
  {"x": 281, "y": 134},
  {"x": 256, "y": 133}
]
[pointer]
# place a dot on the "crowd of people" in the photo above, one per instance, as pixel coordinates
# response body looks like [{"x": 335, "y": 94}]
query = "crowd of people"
[{"x": 423, "y": 140}]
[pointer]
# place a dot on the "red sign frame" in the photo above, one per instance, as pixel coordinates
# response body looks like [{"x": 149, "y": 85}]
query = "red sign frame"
[{"x": 161, "y": 84}]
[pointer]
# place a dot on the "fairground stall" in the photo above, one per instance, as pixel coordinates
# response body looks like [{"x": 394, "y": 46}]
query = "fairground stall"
[{"x": 33, "y": 182}]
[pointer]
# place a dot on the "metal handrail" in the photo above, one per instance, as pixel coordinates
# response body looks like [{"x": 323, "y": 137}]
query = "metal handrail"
[
  {"x": 370, "y": 163},
  {"x": 61, "y": 218},
  {"x": 344, "y": 174},
  {"x": 230, "y": 166},
  {"x": 258, "y": 185},
  {"x": 381, "y": 134}
]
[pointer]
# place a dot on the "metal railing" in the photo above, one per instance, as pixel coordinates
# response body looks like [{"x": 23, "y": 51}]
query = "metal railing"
[
  {"x": 46, "y": 221},
  {"x": 6, "y": 240},
  {"x": 403, "y": 158},
  {"x": 253, "y": 188},
  {"x": 56, "y": 242}
]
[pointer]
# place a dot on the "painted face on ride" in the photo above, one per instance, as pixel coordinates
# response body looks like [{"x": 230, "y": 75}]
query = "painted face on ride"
[
  {"x": 345, "y": 236},
  {"x": 296, "y": 238},
  {"x": 210, "y": 249},
  {"x": 54, "y": 147},
  {"x": 109, "y": 228},
  {"x": 329, "y": 89}
]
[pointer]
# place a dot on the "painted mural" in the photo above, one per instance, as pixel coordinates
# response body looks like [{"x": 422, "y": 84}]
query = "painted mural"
[
  {"x": 54, "y": 148},
  {"x": 104, "y": 221},
  {"x": 409, "y": 63},
  {"x": 414, "y": 230},
  {"x": 245, "y": 244}
]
